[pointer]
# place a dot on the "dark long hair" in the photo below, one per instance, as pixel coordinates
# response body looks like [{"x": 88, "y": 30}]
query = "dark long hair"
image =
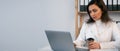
[{"x": 100, "y": 3}]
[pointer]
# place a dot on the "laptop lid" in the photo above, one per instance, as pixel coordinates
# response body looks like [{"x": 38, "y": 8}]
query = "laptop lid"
[{"x": 60, "y": 40}]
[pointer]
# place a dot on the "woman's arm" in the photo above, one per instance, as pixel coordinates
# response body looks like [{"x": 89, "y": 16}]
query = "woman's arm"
[
  {"x": 115, "y": 36},
  {"x": 80, "y": 41}
]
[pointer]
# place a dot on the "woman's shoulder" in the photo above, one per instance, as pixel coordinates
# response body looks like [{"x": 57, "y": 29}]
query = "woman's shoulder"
[
  {"x": 112, "y": 22},
  {"x": 85, "y": 24},
  {"x": 89, "y": 24}
]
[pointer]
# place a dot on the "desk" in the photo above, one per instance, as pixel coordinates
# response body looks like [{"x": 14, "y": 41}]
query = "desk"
[
  {"x": 82, "y": 49},
  {"x": 104, "y": 50}
]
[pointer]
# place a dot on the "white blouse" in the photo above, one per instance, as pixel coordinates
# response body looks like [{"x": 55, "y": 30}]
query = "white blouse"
[{"x": 108, "y": 35}]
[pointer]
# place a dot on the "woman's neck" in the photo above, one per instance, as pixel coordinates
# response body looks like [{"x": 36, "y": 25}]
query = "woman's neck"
[{"x": 98, "y": 22}]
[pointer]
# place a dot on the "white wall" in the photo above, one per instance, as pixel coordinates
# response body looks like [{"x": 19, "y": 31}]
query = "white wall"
[{"x": 22, "y": 23}]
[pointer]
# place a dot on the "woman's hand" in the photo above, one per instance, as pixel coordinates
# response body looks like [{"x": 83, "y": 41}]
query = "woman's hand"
[
  {"x": 94, "y": 45},
  {"x": 74, "y": 44}
]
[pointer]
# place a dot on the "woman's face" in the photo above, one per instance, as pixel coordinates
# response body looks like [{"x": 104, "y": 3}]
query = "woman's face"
[{"x": 95, "y": 12}]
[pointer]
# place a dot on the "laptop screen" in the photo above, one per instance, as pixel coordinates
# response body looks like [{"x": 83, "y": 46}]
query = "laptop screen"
[{"x": 60, "y": 40}]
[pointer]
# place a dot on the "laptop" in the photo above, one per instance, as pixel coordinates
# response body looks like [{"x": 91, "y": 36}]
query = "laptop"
[{"x": 60, "y": 40}]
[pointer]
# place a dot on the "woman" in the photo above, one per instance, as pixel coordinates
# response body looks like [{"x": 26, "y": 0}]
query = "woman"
[{"x": 100, "y": 27}]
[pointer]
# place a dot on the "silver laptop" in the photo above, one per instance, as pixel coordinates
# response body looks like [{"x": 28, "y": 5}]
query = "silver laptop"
[{"x": 60, "y": 40}]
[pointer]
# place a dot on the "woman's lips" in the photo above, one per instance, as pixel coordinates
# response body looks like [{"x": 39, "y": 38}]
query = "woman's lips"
[{"x": 94, "y": 17}]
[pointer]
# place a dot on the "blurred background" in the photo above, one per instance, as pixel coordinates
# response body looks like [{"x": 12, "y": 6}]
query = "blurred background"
[{"x": 22, "y": 23}]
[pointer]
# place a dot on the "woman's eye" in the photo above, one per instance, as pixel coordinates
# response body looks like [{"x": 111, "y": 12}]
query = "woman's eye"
[{"x": 94, "y": 10}]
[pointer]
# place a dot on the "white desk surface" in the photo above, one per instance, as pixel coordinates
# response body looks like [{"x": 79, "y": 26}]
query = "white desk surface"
[
  {"x": 84, "y": 49},
  {"x": 104, "y": 50}
]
